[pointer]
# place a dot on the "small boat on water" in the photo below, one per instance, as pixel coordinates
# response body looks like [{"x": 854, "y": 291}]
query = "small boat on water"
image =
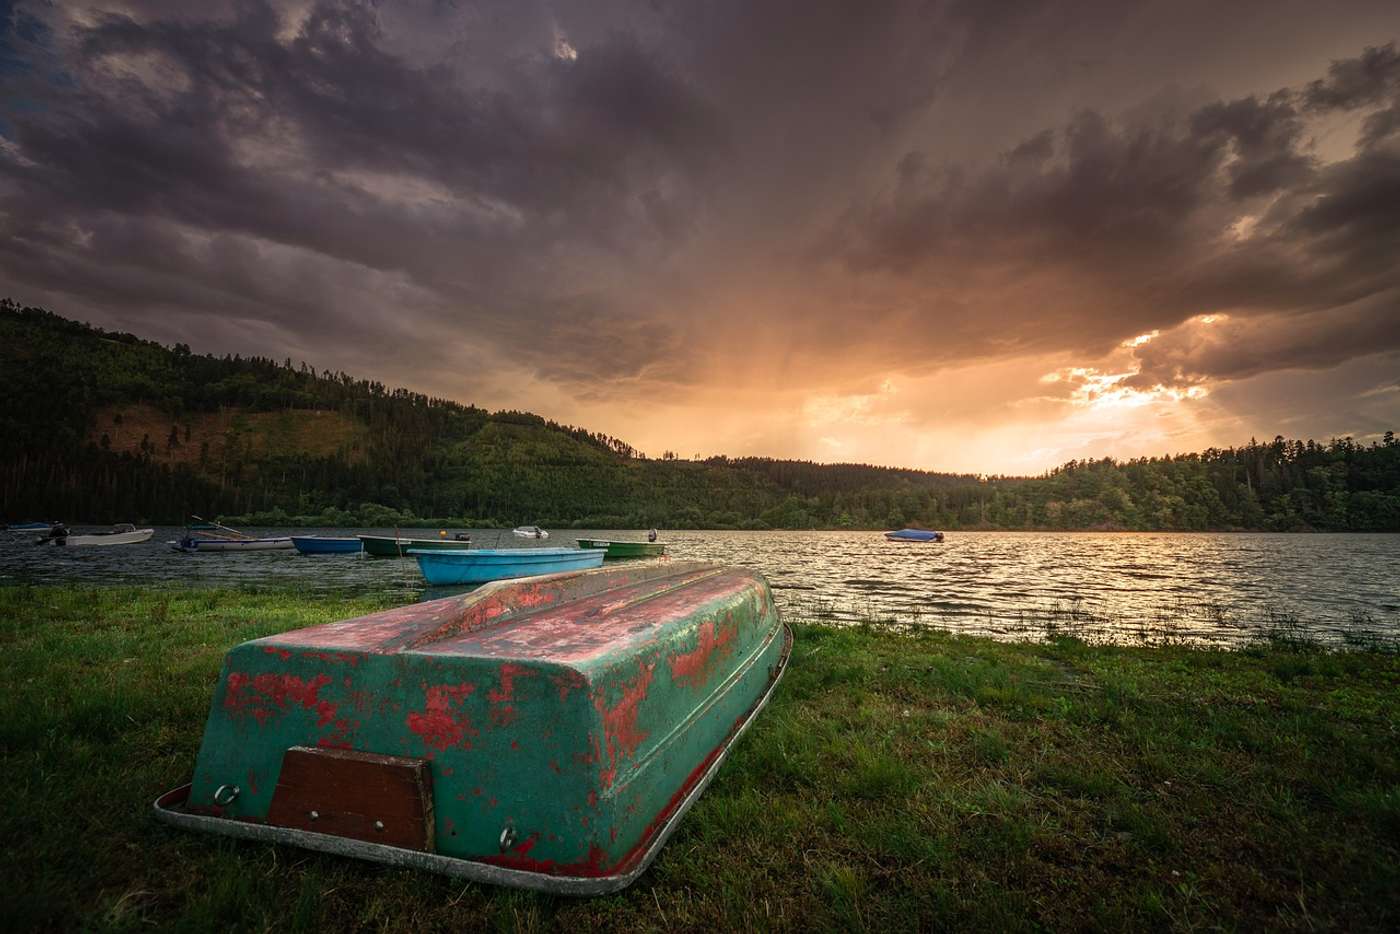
[
  {"x": 123, "y": 534},
  {"x": 227, "y": 539},
  {"x": 530, "y": 531},
  {"x": 30, "y": 526},
  {"x": 391, "y": 546},
  {"x": 479, "y": 565},
  {"x": 326, "y": 545},
  {"x": 547, "y": 734},
  {"x": 914, "y": 535},
  {"x": 191, "y": 544},
  {"x": 616, "y": 549}
]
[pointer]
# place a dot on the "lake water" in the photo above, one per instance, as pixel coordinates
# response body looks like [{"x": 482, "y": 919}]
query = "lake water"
[{"x": 1128, "y": 586}]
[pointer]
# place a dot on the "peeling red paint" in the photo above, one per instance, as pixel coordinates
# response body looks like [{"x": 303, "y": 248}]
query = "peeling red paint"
[
  {"x": 506, "y": 691},
  {"x": 694, "y": 668},
  {"x": 568, "y": 680},
  {"x": 592, "y": 865},
  {"x": 270, "y": 694},
  {"x": 437, "y": 725},
  {"x": 339, "y": 737},
  {"x": 620, "y": 731},
  {"x": 274, "y": 650},
  {"x": 325, "y": 711}
]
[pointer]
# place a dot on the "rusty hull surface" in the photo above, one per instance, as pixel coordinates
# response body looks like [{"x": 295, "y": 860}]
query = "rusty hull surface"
[{"x": 566, "y": 720}]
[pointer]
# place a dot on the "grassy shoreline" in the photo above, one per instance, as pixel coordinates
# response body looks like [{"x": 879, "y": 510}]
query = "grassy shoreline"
[{"x": 897, "y": 779}]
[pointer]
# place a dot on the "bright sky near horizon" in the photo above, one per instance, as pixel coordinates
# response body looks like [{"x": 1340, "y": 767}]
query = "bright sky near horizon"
[{"x": 984, "y": 237}]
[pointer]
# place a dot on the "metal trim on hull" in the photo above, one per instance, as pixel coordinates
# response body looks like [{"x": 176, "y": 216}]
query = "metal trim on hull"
[{"x": 166, "y": 805}]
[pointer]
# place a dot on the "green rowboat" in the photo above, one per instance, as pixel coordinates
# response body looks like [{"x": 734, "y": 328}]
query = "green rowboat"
[
  {"x": 547, "y": 733},
  {"x": 386, "y": 546},
  {"x": 625, "y": 549}
]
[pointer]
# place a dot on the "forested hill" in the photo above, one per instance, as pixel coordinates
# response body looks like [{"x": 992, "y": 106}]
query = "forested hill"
[{"x": 98, "y": 426}]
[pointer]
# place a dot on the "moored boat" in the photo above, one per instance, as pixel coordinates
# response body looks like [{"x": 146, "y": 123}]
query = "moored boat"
[
  {"x": 326, "y": 545},
  {"x": 191, "y": 543},
  {"x": 616, "y": 549},
  {"x": 530, "y": 531},
  {"x": 493, "y": 736},
  {"x": 30, "y": 526},
  {"x": 479, "y": 565},
  {"x": 914, "y": 535},
  {"x": 389, "y": 546},
  {"x": 124, "y": 534}
]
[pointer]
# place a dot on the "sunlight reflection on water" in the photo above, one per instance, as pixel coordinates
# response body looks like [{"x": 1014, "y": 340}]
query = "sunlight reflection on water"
[{"x": 1211, "y": 587}]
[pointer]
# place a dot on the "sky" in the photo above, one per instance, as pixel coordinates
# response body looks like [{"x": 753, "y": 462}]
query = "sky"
[{"x": 965, "y": 236}]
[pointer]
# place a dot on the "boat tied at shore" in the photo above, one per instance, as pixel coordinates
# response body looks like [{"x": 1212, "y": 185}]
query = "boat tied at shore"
[
  {"x": 624, "y": 549},
  {"x": 480, "y": 565},
  {"x": 326, "y": 545},
  {"x": 195, "y": 540},
  {"x": 396, "y": 546},
  {"x": 122, "y": 534}
]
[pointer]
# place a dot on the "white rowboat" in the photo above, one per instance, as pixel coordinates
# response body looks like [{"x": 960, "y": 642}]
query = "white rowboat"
[{"x": 128, "y": 537}]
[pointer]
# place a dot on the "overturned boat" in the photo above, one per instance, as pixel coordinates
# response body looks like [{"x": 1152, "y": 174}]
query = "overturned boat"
[{"x": 547, "y": 733}]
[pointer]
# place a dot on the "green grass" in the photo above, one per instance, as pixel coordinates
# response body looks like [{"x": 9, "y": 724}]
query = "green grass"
[{"x": 896, "y": 781}]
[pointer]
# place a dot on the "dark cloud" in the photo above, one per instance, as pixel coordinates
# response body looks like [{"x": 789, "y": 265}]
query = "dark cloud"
[
  {"x": 1101, "y": 229},
  {"x": 617, "y": 195}
]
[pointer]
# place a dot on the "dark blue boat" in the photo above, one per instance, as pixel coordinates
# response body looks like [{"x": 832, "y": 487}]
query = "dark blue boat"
[
  {"x": 914, "y": 535},
  {"x": 324, "y": 545}
]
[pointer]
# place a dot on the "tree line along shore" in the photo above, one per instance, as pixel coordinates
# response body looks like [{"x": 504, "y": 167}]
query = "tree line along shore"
[{"x": 98, "y": 426}]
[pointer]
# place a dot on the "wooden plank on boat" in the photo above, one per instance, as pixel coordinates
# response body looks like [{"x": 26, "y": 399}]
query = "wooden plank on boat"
[{"x": 360, "y": 795}]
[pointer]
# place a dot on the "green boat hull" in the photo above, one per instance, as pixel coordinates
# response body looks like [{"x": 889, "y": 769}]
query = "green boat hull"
[
  {"x": 625, "y": 549},
  {"x": 559, "y": 726},
  {"x": 382, "y": 546}
]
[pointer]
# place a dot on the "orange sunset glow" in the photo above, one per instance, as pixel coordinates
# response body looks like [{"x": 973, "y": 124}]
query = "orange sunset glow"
[{"x": 930, "y": 237}]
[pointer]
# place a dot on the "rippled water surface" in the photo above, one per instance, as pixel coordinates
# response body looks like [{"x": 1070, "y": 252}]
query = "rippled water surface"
[{"x": 1215, "y": 587}]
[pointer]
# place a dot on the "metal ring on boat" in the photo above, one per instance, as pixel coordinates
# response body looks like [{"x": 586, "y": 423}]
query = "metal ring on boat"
[{"x": 224, "y": 795}]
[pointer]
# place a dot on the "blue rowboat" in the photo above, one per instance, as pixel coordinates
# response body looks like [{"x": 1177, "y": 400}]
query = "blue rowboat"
[
  {"x": 479, "y": 565},
  {"x": 325, "y": 545},
  {"x": 914, "y": 535}
]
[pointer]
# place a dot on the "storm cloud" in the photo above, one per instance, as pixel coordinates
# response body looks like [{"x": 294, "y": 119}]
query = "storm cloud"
[{"x": 576, "y": 207}]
